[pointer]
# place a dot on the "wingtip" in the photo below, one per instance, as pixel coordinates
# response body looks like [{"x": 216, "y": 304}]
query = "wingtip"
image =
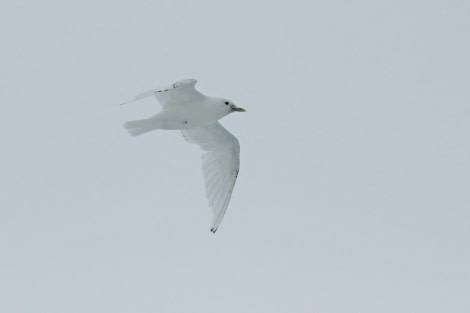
[
  {"x": 128, "y": 101},
  {"x": 213, "y": 230}
]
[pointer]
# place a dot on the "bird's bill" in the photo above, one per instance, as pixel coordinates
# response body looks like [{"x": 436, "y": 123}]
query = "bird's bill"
[{"x": 238, "y": 109}]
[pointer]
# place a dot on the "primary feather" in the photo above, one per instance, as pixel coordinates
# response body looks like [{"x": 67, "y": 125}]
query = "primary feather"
[{"x": 220, "y": 166}]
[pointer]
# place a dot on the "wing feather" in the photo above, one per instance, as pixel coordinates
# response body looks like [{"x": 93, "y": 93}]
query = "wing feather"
[
  {"x": 220, "y": 166},
  {"x": 176, "y": 93}
]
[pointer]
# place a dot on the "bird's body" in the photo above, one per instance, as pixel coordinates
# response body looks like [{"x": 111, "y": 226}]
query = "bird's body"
[
  {"x": 203, "y": 111},
  {"x": 197, "y": 115}
]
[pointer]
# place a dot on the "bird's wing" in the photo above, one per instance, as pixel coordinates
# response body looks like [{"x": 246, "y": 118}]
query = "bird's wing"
[
  {"x": 178, "y": 92},
  {"x": 220, "y": 165}
]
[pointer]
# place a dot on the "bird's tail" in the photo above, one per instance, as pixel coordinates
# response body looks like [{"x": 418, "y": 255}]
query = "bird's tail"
[{"x": 139, "y": 127}]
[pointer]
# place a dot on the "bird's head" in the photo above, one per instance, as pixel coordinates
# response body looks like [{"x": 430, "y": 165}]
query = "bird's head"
[
  {"x": 220, "y": 107},
  {"x": 230, "y": 106}
]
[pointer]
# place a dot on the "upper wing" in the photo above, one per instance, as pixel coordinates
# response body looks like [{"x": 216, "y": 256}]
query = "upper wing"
[
  {"x": 181, "y": 91},
  {"x": 220, "y": 165}
]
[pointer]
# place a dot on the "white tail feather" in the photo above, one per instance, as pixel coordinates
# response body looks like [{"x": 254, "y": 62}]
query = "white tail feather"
[{"x": 139, "y": 127}]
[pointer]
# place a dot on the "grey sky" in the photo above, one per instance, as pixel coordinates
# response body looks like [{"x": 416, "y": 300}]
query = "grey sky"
[{"x": 353, "y": 193}]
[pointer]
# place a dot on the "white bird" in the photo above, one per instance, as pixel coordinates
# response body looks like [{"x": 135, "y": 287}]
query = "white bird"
[{"x": 197, "y": 115}]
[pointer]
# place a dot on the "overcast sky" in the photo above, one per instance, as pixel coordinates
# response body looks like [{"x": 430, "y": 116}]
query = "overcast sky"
[{"x": 354, "y": 186}]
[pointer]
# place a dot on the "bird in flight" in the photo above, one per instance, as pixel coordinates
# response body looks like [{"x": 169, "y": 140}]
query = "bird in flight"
[{"x": 196, "y": 116}]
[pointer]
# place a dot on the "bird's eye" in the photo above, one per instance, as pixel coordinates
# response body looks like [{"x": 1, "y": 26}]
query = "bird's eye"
[{"x": 226, "y": 102}]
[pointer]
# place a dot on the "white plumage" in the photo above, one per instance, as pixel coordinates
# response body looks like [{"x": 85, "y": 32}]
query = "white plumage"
[{"x": 197, "y": 115}]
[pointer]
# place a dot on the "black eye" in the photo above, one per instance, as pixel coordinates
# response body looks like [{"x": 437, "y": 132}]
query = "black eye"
[{"x": 226, "y": 102}]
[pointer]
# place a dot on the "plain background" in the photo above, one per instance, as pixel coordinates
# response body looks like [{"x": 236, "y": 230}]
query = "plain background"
[{"x": 353, "y": 193}]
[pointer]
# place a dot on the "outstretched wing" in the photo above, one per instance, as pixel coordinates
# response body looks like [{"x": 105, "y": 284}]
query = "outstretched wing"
[
  {"x": 220, "y": 165},
  {"x": 178, "y": 92}
]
